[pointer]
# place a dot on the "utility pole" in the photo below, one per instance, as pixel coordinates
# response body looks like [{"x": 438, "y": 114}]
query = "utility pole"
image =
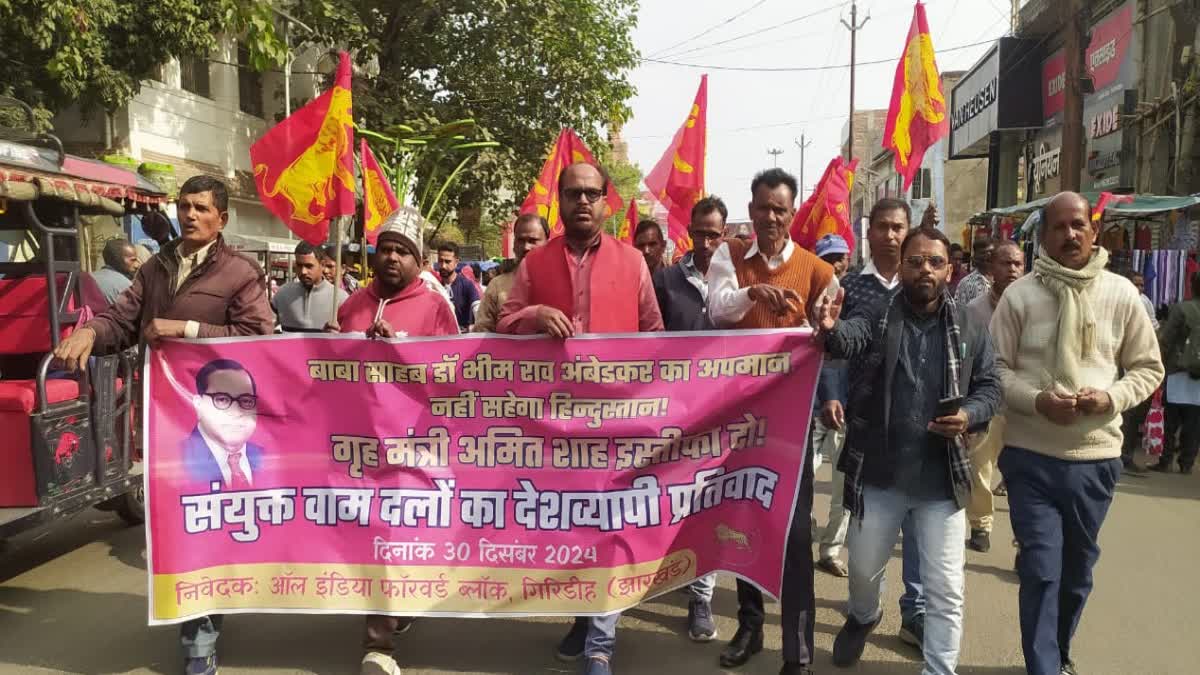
[
  {"x": 1071, "y": 157},
  {"x": 775, "y": 153},
  {"x": 854, "y": 26},
  {"x": 1016, "y": 15},
  {"x": 802, "y": 145}
]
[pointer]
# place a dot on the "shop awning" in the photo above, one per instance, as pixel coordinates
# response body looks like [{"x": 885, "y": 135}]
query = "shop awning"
[{"x": 1142, "y": 205}]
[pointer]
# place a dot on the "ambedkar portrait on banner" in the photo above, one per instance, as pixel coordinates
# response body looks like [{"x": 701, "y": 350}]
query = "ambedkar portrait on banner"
[{"x": 218, "y": 449}]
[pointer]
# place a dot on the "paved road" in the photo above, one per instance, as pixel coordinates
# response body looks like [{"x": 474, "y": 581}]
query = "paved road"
[{"x": 73, "y": 599}]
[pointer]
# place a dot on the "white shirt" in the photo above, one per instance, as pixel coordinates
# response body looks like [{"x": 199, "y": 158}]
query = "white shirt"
[
  {"x": 1149, "y": 305},
  {"x": 727, "y": 301},
  {"x": 889, "y": 284},
  {"x": 220, "y": 454}
]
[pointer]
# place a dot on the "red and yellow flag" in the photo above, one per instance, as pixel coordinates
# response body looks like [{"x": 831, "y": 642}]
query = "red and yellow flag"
[
  {"x": 917, "y": 115},
  {"x": 543, "y": 198},
  {"x": 1108, "y": 199},
  {"x": 304, "y": 166},
  {"x": 378, "y": 199},
  {"x": 629, "y": 225},
  {"x": 677, "y": 181},
  {"x": 827, "y": 209}
]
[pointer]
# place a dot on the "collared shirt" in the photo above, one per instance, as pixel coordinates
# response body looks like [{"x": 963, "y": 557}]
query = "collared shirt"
[
  {"x": 191, "y": 329},
  {"x": 972, "y": 286},
  {"x": 220, "y": 454},
  {"x": 889, "y": 284},
  {"x": 521, "y": 316},
  {"x": 694, "y": 276},
  {"x": 921, "y": 469},
  {"x": 727, "y": 301}
]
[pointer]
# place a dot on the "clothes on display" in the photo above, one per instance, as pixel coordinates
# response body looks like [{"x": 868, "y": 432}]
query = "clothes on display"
[{"x": 1166, "y": 274}]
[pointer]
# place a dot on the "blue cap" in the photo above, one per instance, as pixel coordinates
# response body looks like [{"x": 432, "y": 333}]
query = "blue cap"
[{"x": 831, "y": 244}]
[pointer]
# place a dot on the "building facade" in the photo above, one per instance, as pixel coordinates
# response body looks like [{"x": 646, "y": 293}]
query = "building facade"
[{"x": 200, "y": 116}]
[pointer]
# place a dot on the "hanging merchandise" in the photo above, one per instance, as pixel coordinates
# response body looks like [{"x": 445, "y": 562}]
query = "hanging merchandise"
[{"x": 1143, "y": 236}]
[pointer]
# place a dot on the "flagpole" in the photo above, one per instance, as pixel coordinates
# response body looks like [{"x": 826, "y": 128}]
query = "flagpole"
[{"x": 337, "y": 263}]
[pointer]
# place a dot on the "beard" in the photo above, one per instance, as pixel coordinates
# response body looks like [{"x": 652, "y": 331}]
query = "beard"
[{"x": 919, "y": 295}]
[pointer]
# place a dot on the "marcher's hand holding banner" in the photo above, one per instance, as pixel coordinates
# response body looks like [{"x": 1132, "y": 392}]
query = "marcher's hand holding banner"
[{"x": 471, "y": 475}]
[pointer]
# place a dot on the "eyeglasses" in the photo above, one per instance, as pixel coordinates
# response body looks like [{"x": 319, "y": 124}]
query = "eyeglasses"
[
  {"x": 222, "y": 401},
  {"x": 704, "y": 236},
  {"x": 591, "y": 194},
  {"x": 916, "y": 262}
]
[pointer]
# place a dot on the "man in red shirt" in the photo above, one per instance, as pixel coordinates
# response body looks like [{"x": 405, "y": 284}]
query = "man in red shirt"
[
  {"x": 397, "y": 303},
  {"x": 555, "y": 291}
]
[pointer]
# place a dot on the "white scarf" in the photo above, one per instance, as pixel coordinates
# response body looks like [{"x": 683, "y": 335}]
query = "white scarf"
[{"x": 1076, "y": 317}]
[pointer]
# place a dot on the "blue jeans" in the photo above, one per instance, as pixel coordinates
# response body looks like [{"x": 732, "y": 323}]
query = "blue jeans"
[
  {"x": 198, "y": 637},
  {"x": 912, "y": 603},
  {"x": 940, "y": 528},
  {"x": 1056, "y": 508},
  {"x": 601, "y": 636},
  {"x": 702, "y": 589}
]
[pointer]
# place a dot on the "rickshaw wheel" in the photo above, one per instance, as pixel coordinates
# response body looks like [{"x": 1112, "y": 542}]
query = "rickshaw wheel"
[{"x": 131, "y": 506}]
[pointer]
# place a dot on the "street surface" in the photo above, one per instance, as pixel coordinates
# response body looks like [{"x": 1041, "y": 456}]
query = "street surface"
[{"x": 73, "y": 600}]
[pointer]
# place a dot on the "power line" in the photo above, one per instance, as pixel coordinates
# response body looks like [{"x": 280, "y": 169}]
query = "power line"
[
  {"x": 756, "y": 127},
  {"x": 711, "y": 28},
  {"x": 760, "y": 31},
  {"x": 801, "y": 69}
]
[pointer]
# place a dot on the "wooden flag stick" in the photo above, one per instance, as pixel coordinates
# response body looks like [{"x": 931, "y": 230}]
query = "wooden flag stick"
[{"x": 337, "y": 265}]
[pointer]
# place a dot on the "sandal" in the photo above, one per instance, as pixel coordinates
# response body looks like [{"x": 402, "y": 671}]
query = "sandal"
[{"x": 1001, "y": 490}]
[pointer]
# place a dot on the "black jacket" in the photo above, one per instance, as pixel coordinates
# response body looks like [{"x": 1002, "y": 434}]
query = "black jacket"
[
  {"x": 876, "y": 348},
  {"x": 682, "y": 306}
]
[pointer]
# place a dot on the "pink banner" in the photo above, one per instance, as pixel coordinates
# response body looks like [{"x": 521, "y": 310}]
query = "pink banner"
[{"x": 469, "y": 476}]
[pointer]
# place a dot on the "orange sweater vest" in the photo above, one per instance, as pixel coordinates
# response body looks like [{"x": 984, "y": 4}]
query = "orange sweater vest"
[{"x": 804, "y": 273}]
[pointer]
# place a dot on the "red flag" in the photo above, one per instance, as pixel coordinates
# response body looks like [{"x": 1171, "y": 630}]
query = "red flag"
[
  {"x": 543, "y": 198},
  {"x": 304, "y": 166},
  {"x": 677, "y": 181},
  {"x": 378, "y": 199},
  {"x": 629, "y": 226},
  {"x": 1106, "y": 199},
  {"x": 827, "y": 209},
  {"x": 917, "y": 115}
]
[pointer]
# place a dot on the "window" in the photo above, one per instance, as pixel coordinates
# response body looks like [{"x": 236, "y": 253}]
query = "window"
[
  {"x": 250, "y": 85},
  {"x": 193, "y": 75},
  {"x": 922, "y": 186}
]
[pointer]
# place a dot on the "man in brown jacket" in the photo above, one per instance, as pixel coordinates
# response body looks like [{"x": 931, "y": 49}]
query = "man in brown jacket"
[{"x": 195, "y": 287}]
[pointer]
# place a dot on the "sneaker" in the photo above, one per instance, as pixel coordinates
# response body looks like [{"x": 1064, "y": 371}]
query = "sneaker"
[
  {"x": 700, "y": 622},
  {"x": 833, "y": 566},
  {"x": 1163, "y": 466},
  {"x": 850, "y": 642},
  {"x": 570, "y": 649},
  {"x": 203, "y": 665},
  {"x": 597, "y": 667},
  {"x": 980, "y": 540},
  {"x": 795, "y": 669},
  {"x": 912, "y": 631},
  {"x": 378, "y": 663},
  {"x": 1068, "y": 668}
]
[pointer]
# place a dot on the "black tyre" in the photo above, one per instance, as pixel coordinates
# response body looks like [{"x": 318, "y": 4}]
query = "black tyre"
[{"x": 131, "y": 506}]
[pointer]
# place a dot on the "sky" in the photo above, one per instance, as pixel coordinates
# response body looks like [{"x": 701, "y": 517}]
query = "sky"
[{"x": 751, "y": 112}]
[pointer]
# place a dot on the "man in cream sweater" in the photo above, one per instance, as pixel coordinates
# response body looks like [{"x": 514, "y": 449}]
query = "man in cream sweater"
[{"x": 1075, "y": 349}]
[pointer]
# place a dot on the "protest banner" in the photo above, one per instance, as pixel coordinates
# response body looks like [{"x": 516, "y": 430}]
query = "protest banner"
[{"x": 469, "y": 476}]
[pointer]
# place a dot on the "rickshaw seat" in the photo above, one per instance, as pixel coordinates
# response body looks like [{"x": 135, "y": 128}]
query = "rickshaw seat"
[{"x": 25, "y": 315}]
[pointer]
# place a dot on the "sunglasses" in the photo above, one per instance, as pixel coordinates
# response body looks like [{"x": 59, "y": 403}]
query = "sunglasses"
[{"x": 916, "y": 262}]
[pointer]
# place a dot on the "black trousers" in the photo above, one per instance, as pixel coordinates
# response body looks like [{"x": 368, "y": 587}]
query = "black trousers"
[
  {"x": 798, "y": 604},
  {"x": 1182, "y": 423}
]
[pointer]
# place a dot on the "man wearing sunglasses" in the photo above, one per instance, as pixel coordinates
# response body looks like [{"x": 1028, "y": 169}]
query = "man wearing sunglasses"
[
  {"x": 218, "y": 450},
  {"x": 583, "y": 282},
  {"x": 927, "y": 376}
]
